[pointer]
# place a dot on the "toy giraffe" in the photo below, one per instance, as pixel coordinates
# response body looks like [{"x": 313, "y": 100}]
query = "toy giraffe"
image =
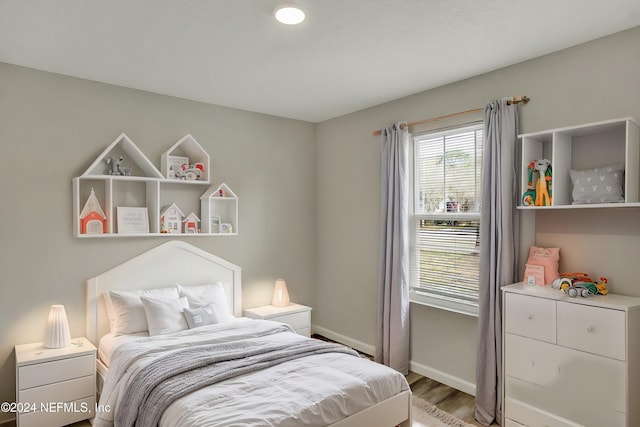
[{"x": 543, "y": 185}]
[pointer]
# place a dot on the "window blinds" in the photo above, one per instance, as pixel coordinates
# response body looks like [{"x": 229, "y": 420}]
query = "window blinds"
[{"x": 447, "y": 214}]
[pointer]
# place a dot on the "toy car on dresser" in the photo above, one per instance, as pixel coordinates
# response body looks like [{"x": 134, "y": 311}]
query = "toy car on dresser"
[{"x": 580, "y": 284}]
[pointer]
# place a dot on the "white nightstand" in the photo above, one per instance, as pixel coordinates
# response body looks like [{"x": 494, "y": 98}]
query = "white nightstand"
[
  {"x": 56, "y": 385},
  {"x": 296, "y": 315}
]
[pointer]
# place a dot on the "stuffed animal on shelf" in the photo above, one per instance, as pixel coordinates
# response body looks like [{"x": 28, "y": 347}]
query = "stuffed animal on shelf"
[
  {"x": 115, "y": 167},
  {"x": 539, "y": 184},
  {"x": 543, "y": 184}
]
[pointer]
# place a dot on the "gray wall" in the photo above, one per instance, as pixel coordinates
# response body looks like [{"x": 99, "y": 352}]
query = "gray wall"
[
  {"x": 591, "y": 82},
  {"x": 52, "y": 128}
]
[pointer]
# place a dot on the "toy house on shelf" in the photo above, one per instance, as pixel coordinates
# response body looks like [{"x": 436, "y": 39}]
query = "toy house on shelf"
[
  {"x": 218, "y": 206},
  {"x": 92, "y": 218},
  {"x": 186, "y": 160},
  {"x": 171, "y": 220},
  {"x": 190, "y": 224}
]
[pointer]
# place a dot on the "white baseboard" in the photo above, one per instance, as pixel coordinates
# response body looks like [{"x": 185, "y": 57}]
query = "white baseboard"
[
  {"x": 443, "y": 377},
  {"x": 418, "y": 368},
  {"x": 342, "y": 339}
]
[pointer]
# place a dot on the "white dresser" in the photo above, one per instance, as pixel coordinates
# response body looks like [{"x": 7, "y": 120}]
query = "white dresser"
[
  {"x": 56, "y": 385},
  {"x": 570, "y": 361},
  {"x": 297, "y": 316}
]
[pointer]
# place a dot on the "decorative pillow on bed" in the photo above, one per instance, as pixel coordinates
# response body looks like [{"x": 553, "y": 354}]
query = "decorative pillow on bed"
[
  {"x": 599, "y": 185},
  {"x": 164, "y": 315},
  {"x": 126, "y": 315},
  {"x": 200, "y": 296},
  {"x": 201, "y": 316},
  {"x": 549, "y": 258}
]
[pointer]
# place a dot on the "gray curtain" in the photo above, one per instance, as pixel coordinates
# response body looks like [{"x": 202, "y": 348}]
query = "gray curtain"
[
  {"x": 392, "y": 341},
  {"x": 498, "y": 250}
]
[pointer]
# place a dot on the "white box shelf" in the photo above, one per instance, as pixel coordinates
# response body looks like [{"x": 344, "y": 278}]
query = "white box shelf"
[{"x": 588, "y": 146}]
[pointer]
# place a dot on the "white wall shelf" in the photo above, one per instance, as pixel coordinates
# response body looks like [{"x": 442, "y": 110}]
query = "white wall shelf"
[
  {"x": 219, "y": 208},
  {"x": 189, "y": 149},
  {"x": 587, "y": 146},
  {"x": 149, "y": 188}
]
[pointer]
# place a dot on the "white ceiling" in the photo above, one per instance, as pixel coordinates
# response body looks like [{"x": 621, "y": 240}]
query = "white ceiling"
[{"x": 348, "y": 54}]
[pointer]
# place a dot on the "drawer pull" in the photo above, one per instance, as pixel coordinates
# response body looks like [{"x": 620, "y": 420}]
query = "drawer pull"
[
  {"x": 530, "y": 317},
  {"x": 591, "y": 329}
]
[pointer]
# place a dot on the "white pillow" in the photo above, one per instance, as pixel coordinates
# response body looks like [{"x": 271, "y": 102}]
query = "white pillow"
[
  {"x": 127, "y": 316},
  {"x": 201, "y": 316},
  {"x": 164, "y": 315},
  {"x": 200, "y": 296}
]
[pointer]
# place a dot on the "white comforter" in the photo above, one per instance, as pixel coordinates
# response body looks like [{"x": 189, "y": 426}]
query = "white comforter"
[{"x": 316, "y": 391}]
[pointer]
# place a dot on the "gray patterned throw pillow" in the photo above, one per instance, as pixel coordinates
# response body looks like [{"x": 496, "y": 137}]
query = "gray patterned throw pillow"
[{"x": 599, "y": 185}]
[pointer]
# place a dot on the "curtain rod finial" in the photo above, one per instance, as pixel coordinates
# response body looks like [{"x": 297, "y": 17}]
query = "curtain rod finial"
[{"x": 518, "y": 99}]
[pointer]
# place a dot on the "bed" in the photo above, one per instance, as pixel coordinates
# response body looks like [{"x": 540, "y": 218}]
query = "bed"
[{"x": 326, "y": 387}]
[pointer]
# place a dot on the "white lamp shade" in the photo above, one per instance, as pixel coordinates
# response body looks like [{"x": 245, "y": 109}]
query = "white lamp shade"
[
  {"x": 280, "y": 294},
  {"x": 57, "y": 334}
]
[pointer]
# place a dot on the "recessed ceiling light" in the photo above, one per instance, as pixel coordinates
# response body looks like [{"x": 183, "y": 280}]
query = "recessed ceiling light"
[{"x": 289, "y": 15}]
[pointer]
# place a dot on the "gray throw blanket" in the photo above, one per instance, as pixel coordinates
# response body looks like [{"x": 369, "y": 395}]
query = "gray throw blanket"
[{"x": 172, "y": 376}]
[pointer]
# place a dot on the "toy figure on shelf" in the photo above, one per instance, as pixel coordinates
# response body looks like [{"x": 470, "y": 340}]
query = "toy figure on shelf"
[
  {"x": 539, "y": 184},
  {"x": 115, "y": 167},
  {"x": 543, "y": 185}
]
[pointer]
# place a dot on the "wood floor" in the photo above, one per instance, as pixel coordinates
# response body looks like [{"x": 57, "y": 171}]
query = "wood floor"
[{"x": 448, "y": 399}]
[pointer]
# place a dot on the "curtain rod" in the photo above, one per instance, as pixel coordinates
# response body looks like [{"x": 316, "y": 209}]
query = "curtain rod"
[{"x": 513, "y": 100}]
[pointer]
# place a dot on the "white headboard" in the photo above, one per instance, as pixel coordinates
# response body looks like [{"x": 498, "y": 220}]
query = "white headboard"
[{"x": 165, "y": 265}]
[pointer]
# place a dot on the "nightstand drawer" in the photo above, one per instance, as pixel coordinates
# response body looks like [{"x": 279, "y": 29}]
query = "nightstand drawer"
[
  {"x": 531, "y": 317},
  {"x": 77, "y": 410},
  {"x": 295, "y": 320},
  {"x": 65, "y": 391},
  {"x": 595, "y": 330},
  {"x": 56, "y": 371}
]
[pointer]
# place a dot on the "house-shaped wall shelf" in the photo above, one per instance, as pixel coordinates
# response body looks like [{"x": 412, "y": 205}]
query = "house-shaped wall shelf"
[
  {"x": 186, "y": 151},
  {"x": 171, "y": 219},
  {"x": 133, "y": 159},
  {"x": 136, "y": 182},
  {"x": 219, "y": 208}
]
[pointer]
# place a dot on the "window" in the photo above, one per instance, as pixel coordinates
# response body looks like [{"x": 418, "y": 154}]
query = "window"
[{"x": 446, "y": 219}]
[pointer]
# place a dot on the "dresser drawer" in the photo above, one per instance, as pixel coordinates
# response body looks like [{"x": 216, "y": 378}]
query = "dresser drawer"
[
  {"x": 65, "y": 391},
  {"x": 530, "y": 360},
  {"x": 521, "y": 414},
  {"x": 531, "y": 317},
  {"x": 295, "y": 320},
  {"x": 593, "y": 329},
  {"x": 571, "y": 384},
  {"x": 56, "y": 371}
]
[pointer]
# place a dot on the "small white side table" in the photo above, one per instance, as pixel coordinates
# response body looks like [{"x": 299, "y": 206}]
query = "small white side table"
[
  {"x": 55, "y": 386},
  {"x": 298, "y": 316}
]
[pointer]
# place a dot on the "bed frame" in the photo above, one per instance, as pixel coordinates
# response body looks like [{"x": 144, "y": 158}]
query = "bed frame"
[{"x": 179, "y": 262}]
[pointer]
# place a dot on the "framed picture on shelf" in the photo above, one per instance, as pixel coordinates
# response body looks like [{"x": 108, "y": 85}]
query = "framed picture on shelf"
[
  {"x": 132, "y": 220},
  {"x": 215, "y": 223},
  {"x": 226, "y": 228},
  {"x": 176, "y": 164}
]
